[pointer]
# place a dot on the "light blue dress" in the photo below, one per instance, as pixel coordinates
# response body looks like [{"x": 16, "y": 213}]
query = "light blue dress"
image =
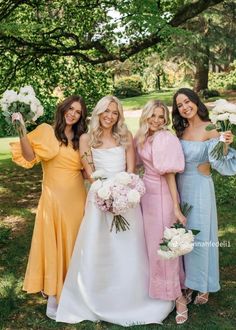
[{"x": 197, "y": 189}]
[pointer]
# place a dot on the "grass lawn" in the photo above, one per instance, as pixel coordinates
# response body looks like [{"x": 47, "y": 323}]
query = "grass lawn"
[
  {"x": 19, "y": 194},
  {"x": 137, "y": 102}
]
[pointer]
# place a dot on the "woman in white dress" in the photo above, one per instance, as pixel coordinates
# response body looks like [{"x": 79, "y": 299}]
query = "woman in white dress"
[{"x": 108, "y": 274}]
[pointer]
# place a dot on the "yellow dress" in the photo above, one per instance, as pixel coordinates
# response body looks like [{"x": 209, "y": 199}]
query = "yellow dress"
[{"x": 59, "y": 213}]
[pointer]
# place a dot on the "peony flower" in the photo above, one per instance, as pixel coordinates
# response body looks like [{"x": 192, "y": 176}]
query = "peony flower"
[
  {"x": 167, "y": 254},
  {"x": 123, "y": 178},
  {"x": 133, "y": 196},
  {"x": 96, "y": 185},
  {"x": 169, "y": 233},
  {"x": 104, "y": 192},
  {"x": 27, "y": 90},
  {"x": 9, "y": 96},
  {"x": 213, "y": 118},
  {"x": 98, "y": 174}
]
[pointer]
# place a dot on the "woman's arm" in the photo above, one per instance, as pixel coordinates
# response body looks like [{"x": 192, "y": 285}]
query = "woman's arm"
[
  {"x": 26, "y": 148},
  {"x": 86, "y": 156},
  {"x": 130, "y": 155},
  {"x": 170, "y": 179}
]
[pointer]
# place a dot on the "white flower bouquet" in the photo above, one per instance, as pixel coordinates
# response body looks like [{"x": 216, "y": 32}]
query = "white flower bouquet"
[
  {"x": 177, "y": 239},
  {"x": 223, "y": 117},
  {"x": 117, "y": 195},
  {"x": 24, "y": 102}
]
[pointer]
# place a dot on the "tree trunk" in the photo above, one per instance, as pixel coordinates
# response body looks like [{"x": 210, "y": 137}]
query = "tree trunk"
[{"x": 201, "y": 76}]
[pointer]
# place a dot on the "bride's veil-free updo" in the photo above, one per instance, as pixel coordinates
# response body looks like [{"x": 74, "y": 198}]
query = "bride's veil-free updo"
[{"x": 119, "y": 130}]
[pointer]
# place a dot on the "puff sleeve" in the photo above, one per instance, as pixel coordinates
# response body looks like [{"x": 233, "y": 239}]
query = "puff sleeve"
[
  {"x": 43, "y": 142},
  {"x": 226, "y": 165},
  {"x": 167, "y": 153}
]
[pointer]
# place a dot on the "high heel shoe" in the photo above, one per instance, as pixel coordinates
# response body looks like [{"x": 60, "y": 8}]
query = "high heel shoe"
[
  {"x": 181, "y": 317},
  {"x": 188, "y": 296},
  {"x": 201, "y": 298}
]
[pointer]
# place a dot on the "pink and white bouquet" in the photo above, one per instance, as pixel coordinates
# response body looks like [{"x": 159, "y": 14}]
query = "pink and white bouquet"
[
  {"x": 223, "y": 117},
  {"x": 177, "y": 240},
  {"x": 117, "y": 195},
  {"x": 24, "y": 102}
]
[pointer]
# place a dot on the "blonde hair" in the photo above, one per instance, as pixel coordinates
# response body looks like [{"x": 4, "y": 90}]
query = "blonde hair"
[
  {"x": 147, "y": 112},
  {"x": 119, "y": 130}
]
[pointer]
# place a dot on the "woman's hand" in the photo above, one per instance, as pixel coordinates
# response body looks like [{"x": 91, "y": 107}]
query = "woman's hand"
[
  {"x": 228, "y": 136},
  {"x": 179, "y": 215},
  {"x": 18, "y": 116}
]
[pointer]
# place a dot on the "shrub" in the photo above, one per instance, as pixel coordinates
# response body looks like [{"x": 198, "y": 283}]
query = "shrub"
[
  {"x": 128, "y": 87},
  {"x": 206, "y": 93},
  {"x": 231, "y": 87}
]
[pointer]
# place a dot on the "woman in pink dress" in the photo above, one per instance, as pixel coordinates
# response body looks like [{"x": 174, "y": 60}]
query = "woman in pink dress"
[{"x": 161, "y": 154}]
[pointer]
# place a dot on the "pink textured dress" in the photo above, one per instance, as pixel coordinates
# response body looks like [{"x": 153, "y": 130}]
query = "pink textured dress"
[{"x": 161, "y": 153}]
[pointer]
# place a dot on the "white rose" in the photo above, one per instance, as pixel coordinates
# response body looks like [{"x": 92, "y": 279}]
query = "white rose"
[
  {"x": 98, "y": 174},
  {"x": 175, "y": 243},
  {"x": 96, "y": 185},
  {"x": 213, "y": 118},
  {"x": 9, "y": 96},
  {"x": 123, "y": 178},
  {"x": 27, "y": 90},
  {"x": 232, "y": 119},
  {"x": 27, "y": 99},
  {"x": 104, "y": 192},
  {"x": 133, "y": 196},
  {"x": 169, "y": 233},
  {"x": 223, "y": 116},
  {"x": 181, "y": 231}
]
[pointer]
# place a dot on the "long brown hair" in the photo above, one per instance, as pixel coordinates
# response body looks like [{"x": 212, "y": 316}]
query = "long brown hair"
[
  {"x": 180, "y": 123},
  {"x": 78, "y": 128}
]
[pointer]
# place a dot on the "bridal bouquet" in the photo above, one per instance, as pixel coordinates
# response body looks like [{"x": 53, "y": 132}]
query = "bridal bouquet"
[
  {"x": 177, "y": 239},
  {"x": 24, "y": 102},
  {"x": 223, "y": 119},
  {"x": 117, "y": 195}
]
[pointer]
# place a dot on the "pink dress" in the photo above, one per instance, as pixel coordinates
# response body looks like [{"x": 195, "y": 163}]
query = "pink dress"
[{"x": 161, "y": 153}]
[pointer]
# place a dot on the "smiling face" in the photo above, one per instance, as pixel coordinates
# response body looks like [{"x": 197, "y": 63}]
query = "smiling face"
[
  {"x": 156, "y": 121},
  {"x": 186, "y": 107},
  {"x": 110, "y": 116},
  {"x": 73, "y": 114}
]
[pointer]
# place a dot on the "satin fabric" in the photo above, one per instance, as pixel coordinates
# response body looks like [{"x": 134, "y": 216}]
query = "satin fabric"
[
  {"x": 60, "y": 210},
  {"x": 161, "y": 153},
  {"x": 108, "y": 274},
  {"x": 197, "y": 189}
]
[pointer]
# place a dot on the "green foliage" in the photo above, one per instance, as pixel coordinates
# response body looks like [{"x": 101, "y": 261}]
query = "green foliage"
[
  {"x": 224, "y": 80},
  {"x": 207, "y": 93},
  {"x": 225, "y": 189},
  {"x": 4, "y": 234},
  {"x": 128, "y": 87}
]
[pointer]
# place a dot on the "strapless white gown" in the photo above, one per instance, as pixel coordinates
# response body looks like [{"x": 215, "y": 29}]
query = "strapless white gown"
[{"x": 108, "y": 274}]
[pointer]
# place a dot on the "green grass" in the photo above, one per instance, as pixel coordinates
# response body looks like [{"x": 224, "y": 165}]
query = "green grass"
[
  {"x": 19, "y": 194},
  {"x": 166, "y": 96}
]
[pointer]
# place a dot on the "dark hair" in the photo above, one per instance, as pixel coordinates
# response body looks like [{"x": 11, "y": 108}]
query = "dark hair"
[
  {"x": 180, "y": 123},
  {"x": 78, "y": 128}
]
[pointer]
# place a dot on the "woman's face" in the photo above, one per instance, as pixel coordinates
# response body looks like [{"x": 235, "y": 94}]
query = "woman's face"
[
  {"x": 156, "y": 121},
  {"x": 110, "y": 116},
  {"x": 73, "y": 114},
  {"x": 186, "y": 107}
]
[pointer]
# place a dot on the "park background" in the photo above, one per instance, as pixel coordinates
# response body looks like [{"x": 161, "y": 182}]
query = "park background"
[{"x": 138, "y": 50}]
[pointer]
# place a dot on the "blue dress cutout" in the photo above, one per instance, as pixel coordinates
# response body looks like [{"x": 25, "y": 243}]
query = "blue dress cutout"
[{"x": 197, "y": 189}]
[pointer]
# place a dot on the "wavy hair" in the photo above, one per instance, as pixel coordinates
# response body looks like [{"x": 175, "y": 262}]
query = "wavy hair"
[
  {"x": 180, "y": 123},
  {"x": 78, "y": 128},
  {"x": 147, "y": 113},
  {"x": 119, "y": 130}
]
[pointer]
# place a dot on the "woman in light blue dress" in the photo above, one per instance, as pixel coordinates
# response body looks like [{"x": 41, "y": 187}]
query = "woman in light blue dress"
[{"x": 195, "y": 184}]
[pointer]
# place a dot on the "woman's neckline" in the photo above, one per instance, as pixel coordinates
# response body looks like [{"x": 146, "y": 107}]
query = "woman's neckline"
[{"x": 106, "y": 148}]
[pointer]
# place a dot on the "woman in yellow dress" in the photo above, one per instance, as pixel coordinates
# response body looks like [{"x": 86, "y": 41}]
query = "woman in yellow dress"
[{"x": 61, "y": 205}]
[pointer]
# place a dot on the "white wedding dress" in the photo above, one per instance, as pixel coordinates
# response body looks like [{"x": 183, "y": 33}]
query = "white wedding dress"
[{"x": 108, "y": 274}]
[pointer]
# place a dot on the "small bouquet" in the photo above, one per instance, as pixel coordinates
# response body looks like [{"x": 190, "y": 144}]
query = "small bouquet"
[
  {"x": 24, "y": 102},
  {"x": 117, "y": 195},
  {"x": 223, "y": 119},
  {"x": 177, "y": 239}
]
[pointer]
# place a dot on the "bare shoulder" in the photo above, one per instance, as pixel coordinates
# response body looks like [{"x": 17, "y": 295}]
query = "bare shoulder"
[
  {"x": 130, "y": 136},
  {"x": 84, "y": 139}
]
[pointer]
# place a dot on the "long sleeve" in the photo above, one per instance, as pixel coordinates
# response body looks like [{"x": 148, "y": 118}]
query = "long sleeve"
[
  {"x": 167, "y": 153},
  {"x": 226, "y": 165},
  {"x": 43, "y": 142}
]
